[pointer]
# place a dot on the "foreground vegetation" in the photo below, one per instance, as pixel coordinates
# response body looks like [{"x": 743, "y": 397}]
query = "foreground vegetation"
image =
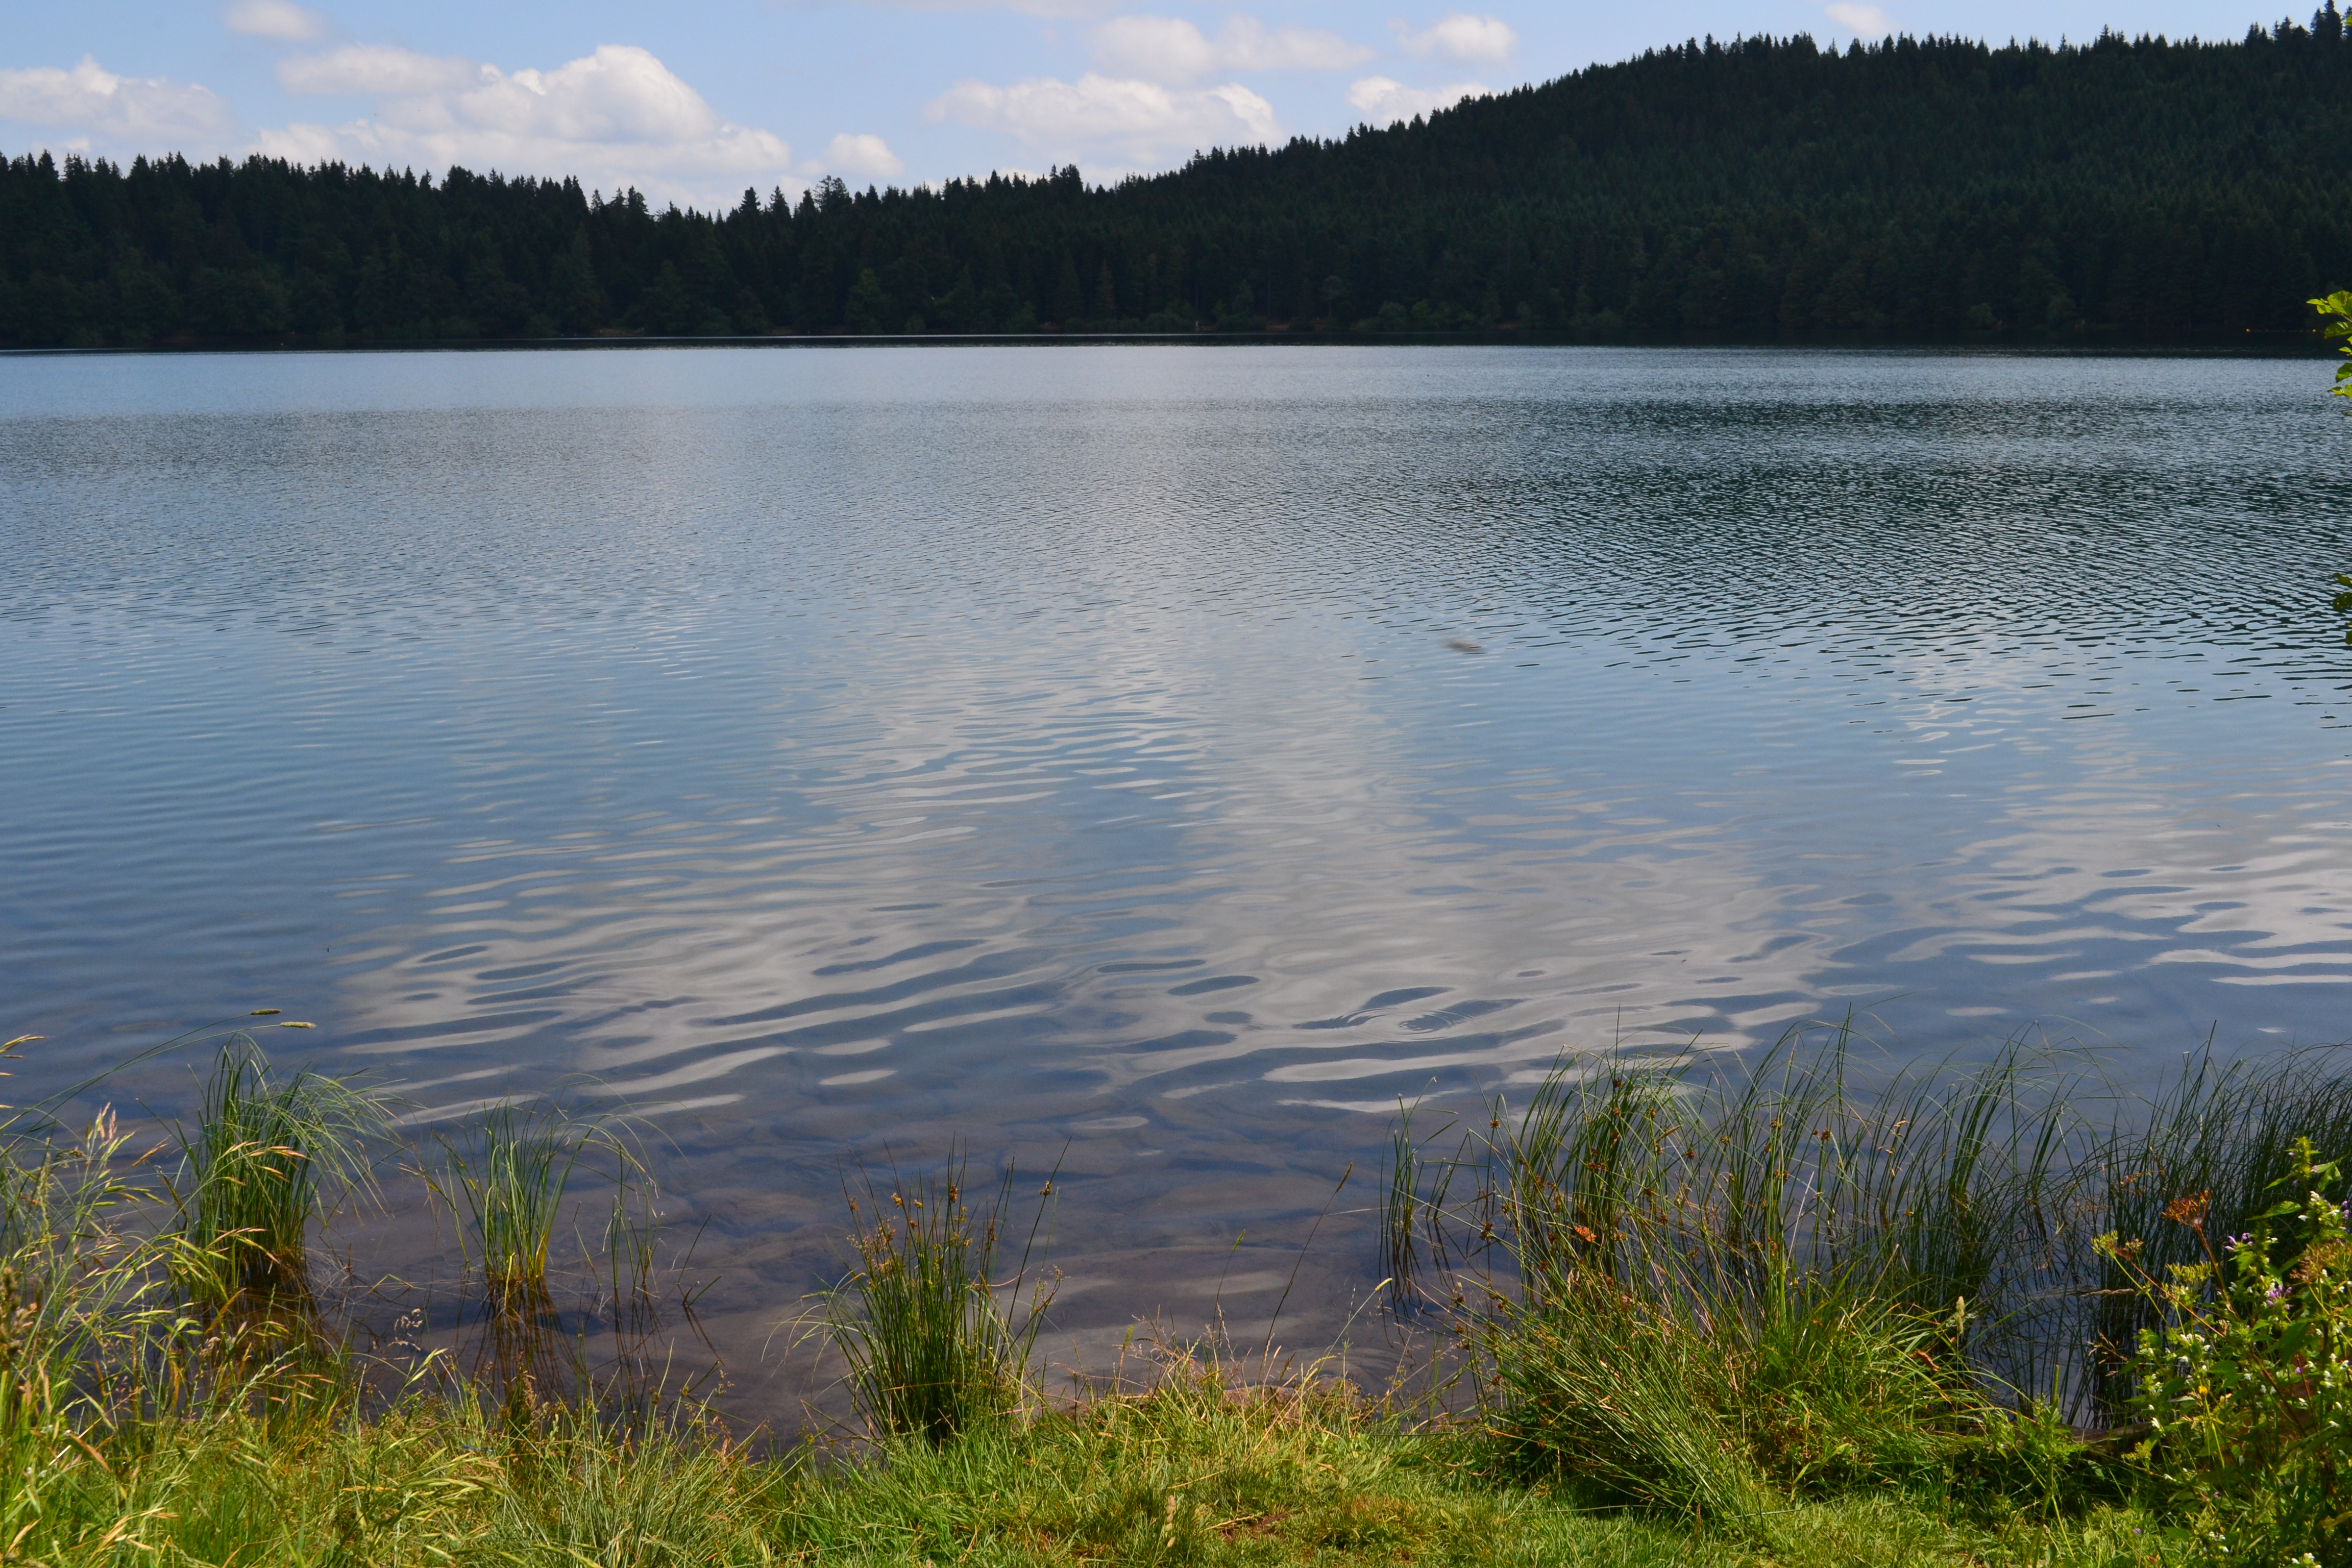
[
  {"x": 1678, "y": 1316},
  {"x": 1765, "y": 189},
  {"x": 1182, "y": 1475}
]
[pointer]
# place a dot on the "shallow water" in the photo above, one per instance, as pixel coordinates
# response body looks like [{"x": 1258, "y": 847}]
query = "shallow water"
[{"x": 1178, "y": 755}]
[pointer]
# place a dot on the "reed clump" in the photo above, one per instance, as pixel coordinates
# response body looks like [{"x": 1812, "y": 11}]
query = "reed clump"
[
  {"x": 1717, "y": 1290},
  {"x": 172, "y": 1389},
  {"x": 509, "y": 1173},
  {"x": 1702, "y": 1317},
  {"x": 267, "y": 1158},
  {"x": 935, "y": 1344}
]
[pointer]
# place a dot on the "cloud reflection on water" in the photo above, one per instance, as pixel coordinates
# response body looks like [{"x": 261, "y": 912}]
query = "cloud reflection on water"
[{"x": 829, "y": 749}]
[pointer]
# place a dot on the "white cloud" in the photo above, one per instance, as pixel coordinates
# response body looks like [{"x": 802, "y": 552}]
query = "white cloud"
[
  {"x": 1865, "y": 21},
  {"x": 1052, "y": 10},
  {"x": 1105, "y": 122},
  {"x": 1172, "y": 51},
  {"x": 275, "y": 19},
  {"x": 147, "y": 114},
  {"x": 865, "y": 157},
  {"x": 1155, "y": 48},
  {"x": 374, "y": 70},
  {"x": 1462, "y": 36},
  {"x": 615, "y": 118},
  {"x": 1383, "y": 101},
  {"x": 1244, "y": 44}
]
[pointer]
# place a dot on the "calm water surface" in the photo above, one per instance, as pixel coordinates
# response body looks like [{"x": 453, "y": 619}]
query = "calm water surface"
[{"x": 1178, "y": 755}]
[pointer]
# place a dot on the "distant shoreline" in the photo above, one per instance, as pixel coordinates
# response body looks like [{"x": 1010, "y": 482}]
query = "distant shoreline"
[{"x": 2252, "y": 345}]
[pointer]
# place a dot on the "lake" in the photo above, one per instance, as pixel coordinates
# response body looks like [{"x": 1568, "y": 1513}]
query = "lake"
[{"x": 1162, "y": 759}]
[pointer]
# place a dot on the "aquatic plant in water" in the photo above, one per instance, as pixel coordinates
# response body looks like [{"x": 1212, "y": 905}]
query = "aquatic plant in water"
[
  {"x": 507, "y": 1173},
  {"x": 932, "y": 1351},
  {"x": 2246, "y": 1381},
  {"x": 251, "y": 1178},
  {"x": 1707, "y": 1287}
]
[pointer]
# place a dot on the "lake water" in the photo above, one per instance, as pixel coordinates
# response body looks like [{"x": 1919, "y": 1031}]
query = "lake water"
[{"x": 1173, "y": 755}]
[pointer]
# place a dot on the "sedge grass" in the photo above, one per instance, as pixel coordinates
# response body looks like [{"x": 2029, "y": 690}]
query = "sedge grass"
[
  {"x": 253, "y": 1169},
  {"x": 931, "y": 1349},
  {"x": 1195, "y": 1470},
  {"x": 2221, "y": 1134},
  {"x": 509, "y": 1172},
  {"x": 1723, "y": 1301},
  {"x": 1717, "y": 1290},
  {"x": 1706, "y": 1294},
  {"x": 154, "y": 1405}
]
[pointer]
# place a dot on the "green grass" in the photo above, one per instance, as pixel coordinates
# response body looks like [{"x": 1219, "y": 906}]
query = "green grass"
[
  {"x": 1193, "y": 1472},
  {"x": 255, "y": 1171},
  {"x": 1196, "y": 1472},
  {"x": 1725, "y": 1292},
  {"x": 1733, "y": 1318},
  {"x": 507, "y": 1173},
  {"x": 931, "y": 1352}
]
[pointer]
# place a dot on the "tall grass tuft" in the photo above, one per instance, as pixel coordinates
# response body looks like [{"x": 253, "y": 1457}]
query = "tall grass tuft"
[
  {"x": 2223, "y": 1135},
  {"x": 253, "y": 1171},
  {"x": 1711, "y": 1292},
  {"x": 1415, "y": 1193},
  {"x": 1707, "y": 1286},
  {"x": 507, "y": 1173},
  {"x": 631, "y": 1237},
  {"x": 111, "y": 1285},
  {"x": 91, "y": 1335},
  {"x": 935, "y": 1345},
  {"x": 170, "y": 1383}
]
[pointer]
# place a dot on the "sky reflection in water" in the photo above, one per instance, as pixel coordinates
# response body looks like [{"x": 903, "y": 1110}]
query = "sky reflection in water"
[{"x": 1032, "y": 747}]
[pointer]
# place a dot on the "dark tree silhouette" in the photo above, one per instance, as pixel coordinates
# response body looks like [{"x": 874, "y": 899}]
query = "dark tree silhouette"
[{"x": 1934, "y": 189}]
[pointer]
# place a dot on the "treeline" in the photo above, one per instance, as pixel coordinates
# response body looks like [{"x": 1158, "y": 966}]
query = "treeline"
[{"x": 2123, "y": 190}]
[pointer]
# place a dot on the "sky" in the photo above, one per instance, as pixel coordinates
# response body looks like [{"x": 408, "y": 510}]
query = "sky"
[{"x": 694, "y": 101}]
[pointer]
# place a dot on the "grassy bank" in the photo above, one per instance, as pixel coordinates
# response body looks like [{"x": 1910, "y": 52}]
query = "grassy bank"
[
  {"x": 1187, "y": 1475},
  {"x": 1673, "y": 1317}
]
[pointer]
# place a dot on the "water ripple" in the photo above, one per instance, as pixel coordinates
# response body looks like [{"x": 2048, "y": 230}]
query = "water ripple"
[{"x": 1172, "y": 758}]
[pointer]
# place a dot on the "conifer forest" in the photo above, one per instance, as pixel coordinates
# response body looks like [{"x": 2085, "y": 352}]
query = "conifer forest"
[{"x": 2123, "y": 190}]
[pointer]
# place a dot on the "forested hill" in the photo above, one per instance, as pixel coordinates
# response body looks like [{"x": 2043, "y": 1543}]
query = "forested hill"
[{"x": 1919, "y": 189}]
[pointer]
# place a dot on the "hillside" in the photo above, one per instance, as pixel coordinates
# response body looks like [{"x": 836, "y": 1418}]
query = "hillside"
[{"x": 1763, "y": 190}]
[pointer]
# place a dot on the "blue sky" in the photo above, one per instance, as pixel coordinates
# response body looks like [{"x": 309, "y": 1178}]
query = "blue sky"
[{"x": 695, "y": 101}]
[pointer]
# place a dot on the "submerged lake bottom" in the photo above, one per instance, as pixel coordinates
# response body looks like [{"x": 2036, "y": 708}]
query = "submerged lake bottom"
[{"x": 1154, "y": 765}]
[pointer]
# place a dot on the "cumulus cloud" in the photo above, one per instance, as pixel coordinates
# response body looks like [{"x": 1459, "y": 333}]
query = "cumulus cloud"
[
  {"x": 862, "y": 157},
  {"x": 147, "y": 114},
  {"x": 1108, "y": 122},
  {"x": 1175, "y": 53},
  {"x": 1051, "y": 10},
  {"x": 275, "y": 19},
  {"x": 374, "y": 70},
  {"x": 1154, "y": 49},
  {"x": 1462, "y": 36},
  {"x": 1244, "y": 44},
  {"x": 1384, "y": 101},
  {"x": 1865, "y": 21},
  {"x": 616, "y": 117}
]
